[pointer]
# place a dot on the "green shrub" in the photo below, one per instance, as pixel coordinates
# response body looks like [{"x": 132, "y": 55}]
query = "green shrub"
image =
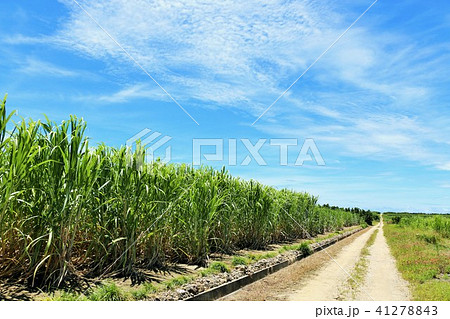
[
  {"x": 396, "y": 219},
  {"x": 305, "y": 249}
]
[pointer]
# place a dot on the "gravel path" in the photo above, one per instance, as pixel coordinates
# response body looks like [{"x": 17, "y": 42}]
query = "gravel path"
[{"x": 320, "y": 278}]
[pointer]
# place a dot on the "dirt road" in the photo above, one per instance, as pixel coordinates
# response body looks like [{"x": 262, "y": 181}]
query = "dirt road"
[
  {"x": 383, "y": 282},
  {"x": 324, "y": 275}
]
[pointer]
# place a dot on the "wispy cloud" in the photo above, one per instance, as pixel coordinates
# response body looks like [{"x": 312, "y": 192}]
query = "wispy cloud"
[
  {"x": 386, "y": 137},
  {"x": 24, "y": 39},
  {"x": 33, "y": 66},
  {"x": 224, "y": 52},
  {"x": 127, "y": 94},
  {"x": 444, "y": 166}
]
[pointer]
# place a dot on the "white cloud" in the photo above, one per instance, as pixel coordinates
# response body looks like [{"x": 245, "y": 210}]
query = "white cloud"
[
  {"x": 386, "y": 137},
  {"x": 444, "y": 166},
  {"x": 33, "y": 66},
  {"x": 22, "y": 39},
  {"x": 128, "y": 93},
  {"x": 232, "y": 53}
]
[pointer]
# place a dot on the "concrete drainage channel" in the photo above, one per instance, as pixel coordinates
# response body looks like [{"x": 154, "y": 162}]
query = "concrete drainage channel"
[{"x": 222, "y": 284}]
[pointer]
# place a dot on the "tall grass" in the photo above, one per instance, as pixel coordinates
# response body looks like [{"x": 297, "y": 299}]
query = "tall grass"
[
  {"x": 440, "y": 224},
  {"x": 66, "y": 207}
]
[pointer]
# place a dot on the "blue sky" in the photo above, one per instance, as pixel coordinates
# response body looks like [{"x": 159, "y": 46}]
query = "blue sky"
[{"x": 376, "y": 104}]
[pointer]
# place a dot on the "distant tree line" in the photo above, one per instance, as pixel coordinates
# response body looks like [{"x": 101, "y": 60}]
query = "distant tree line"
[{"x": 368, "y": 215}]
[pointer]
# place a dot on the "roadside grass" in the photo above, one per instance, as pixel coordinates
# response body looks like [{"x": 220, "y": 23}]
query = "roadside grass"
[
  {"x": 144, "y": 291},
  {"x": 358, "y": 274},
  {"x": 215, "y": 268},
  {"x": 177, "y": 281},
  {"x": 107, "y": 292},
  {"x": 65, "y": 296},
  {"x": 257, "y": 257},
  {"x": 239, "y": 260},
  {"x": 422, "y": 258}
]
